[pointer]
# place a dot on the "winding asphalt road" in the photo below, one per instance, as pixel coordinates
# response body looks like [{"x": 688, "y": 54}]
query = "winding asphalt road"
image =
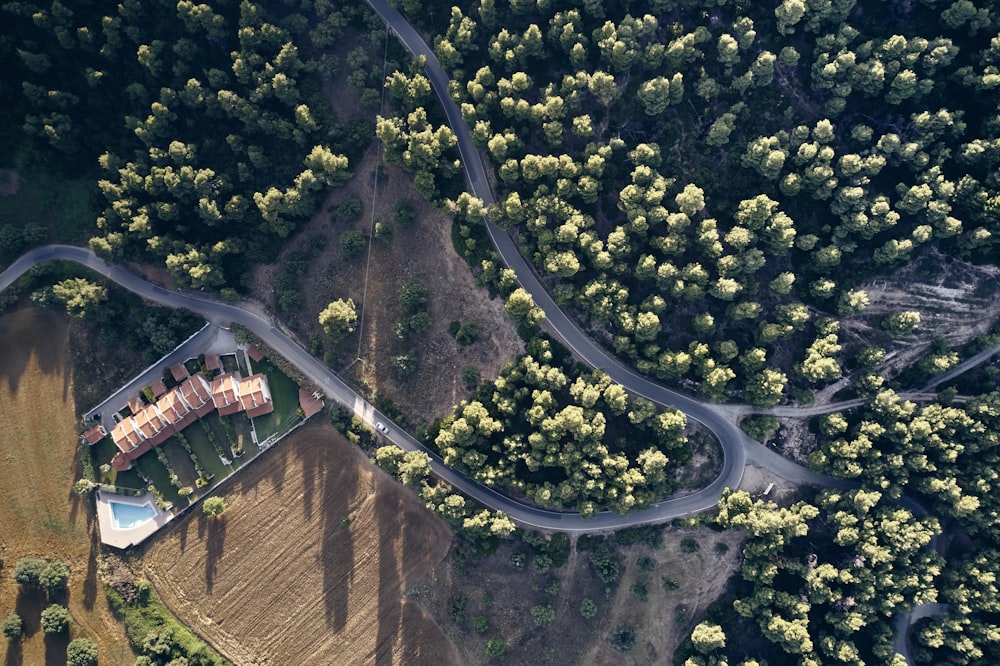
[{"x": 732, "y": 439}]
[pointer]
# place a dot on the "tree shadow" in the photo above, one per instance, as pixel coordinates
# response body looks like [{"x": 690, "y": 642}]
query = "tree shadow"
[
  {"x": 338, "y": 483},
  {"x": 26, "y": 334},
  {"x": 55, "y": 648},
  {"x": 309, "y": 467},
  {"x": 214, "y": 548},
  {"x": 90, "y": 578},
  {"x": 389, "y": 525},
  {"x": 15, "y": 654}
]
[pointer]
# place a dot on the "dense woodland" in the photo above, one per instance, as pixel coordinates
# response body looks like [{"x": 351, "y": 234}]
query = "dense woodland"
[{"x": 708, "y": 182}]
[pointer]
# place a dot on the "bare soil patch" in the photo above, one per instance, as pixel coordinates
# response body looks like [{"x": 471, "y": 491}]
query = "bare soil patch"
[
  {"x": 956, "y": 301},
  {"x": 39, "y": 513},
  {"x": 309, "y": 563},
  {"x": 492, "y": 589},
  {"x": 422, "y": 253}
]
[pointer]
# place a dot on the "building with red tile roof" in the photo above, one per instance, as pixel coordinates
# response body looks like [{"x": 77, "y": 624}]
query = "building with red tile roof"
[
  {"x": 254, "y": 353},
  {"x": 255, "y": 396},
  {"x": 197, "y": 393},
  {"x": 153, "y": 424},
  {"x": 225, "y": 393},
  {"x": 94, "y": 435},
  {"x": 158, "y": 388},
  {"x": 179, "y": 372},
  {"x": 310, "y": 402},
  {"x": 213, "y": 362},
  {"x": 135, "y": 404}
]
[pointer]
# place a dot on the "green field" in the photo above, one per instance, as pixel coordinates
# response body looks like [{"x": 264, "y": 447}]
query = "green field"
[{"x": 151, "y": 466}]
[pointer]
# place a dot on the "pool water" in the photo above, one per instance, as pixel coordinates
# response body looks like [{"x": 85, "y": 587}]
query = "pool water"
[{"x": 130, "y": 515}]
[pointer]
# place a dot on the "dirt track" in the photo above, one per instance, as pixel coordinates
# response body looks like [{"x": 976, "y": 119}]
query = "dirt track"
[{"x": 283, "y": 578}]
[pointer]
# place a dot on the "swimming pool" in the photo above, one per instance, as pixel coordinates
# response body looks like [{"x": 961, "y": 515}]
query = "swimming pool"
[{"x": 126, "y": 516}]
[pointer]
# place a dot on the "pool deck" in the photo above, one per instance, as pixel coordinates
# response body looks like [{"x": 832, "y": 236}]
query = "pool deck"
[{"x": 124, "y": 538}]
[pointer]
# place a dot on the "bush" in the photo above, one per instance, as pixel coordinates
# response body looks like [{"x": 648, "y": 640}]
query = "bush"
[
  {"x": 496, "y": 647},
  {"x": 641, "y": 590},
  {"x": 13, "y": 625},
  {"x": 349, "y": 210},
  {"x": 605, "y": 563},
  {"x": 466, "y": 334},
  {"x": 54, "y": 577},
  {"x": 543, "y": 614},
  {"x": 689, "y": 545},
  {"x": 352, "y": 244},
  {"x": 646, "y": 564},
  {"x": 669, "y": 583},
  {"x": 404, "y": 214},
  {"x": 588, "y": 609},
  {"x": 482, "y": 624},
  {"x": 55, "y": 619},
  {"x": 623, "y": 638},
  {"x": 28, "y": 570},
  {"x": 81, "y": 652},
  {"x": 518, "y": 559},
  {"x": 214, "y": 506}
]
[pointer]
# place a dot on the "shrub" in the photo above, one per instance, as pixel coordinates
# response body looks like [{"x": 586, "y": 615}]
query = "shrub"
[
  {"x": 352, "y": 244},
  {"x": 466, "y": 334},
  {"x": 623, "y": 638},
  {"x": 588, "y": 609},
  {"x": 54, "y": 577},
  {"x": 605, "y": 563},
  {"x": 552, "y": 587},
  {"x": 214, "y": 506},
  {"x": 404, "y": 214},
  {"x": 518, "y": 559},
  {"x": 669, "y": 583},
  {"x": 496, "y": 647},
  {"x": 13, "y": 625},
  {"x": 28, "y": 570},
  {"x": 646, "y": 564},
  {"x": 482, "y": 624},
  {"x": 543, "y": 614},
  {"x": 55, "y": 619},
  {"x": 81, "y": 652},
  {"x": 641, "y": 590},
  {"x": 689, "y": 545}
]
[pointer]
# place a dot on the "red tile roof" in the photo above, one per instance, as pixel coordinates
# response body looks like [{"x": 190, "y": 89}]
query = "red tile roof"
[
  {"x": 254, "y": 353},
  {"x": 225, "y": 393},
  {"x": 213, "y": 362},
  {"x": 125, "y": 435},
  {"x": 309, "y": 402},
  {"x": 135, "y": 404},
  {"x": 255, "y": 395},
  {"x": 179, "y": 372},
  {"x": 95, "y": 434},
  {"x": 158, "y": 388}
]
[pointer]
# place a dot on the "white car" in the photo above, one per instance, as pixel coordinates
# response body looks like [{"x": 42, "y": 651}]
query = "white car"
[{"x": 381, "y": 428}]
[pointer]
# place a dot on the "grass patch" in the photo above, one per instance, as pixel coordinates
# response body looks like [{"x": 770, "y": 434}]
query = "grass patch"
[
  {"x": 149, "y": 615},
  {"x": 206, "y": 453},
  {"x": 241, "y": 424},
  {"x": 180, "y": 460},
  {"x": 284, "y": 393},
  {"x": 154, "y": 470}
]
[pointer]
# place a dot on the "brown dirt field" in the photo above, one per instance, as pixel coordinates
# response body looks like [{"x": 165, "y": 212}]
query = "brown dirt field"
[
  {"x": 280, "y": 579},
  {"x": 661, "y": 622},
  {"x": 41, "y": 515}
]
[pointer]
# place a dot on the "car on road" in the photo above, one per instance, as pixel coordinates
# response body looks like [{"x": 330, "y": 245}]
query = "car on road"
[{"x": 381, "y": 428}]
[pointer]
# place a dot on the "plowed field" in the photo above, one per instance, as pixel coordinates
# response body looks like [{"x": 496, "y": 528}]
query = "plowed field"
[
  {"x": 39, "y": 513},
  {"x": 309, "y": 563}
]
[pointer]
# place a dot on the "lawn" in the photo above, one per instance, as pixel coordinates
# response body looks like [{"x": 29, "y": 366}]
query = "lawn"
[
  {"x": 180, "y": 460},
  {"x": 229, "y": 363},
  {"x": 241, "y": 424},
  {"x": 151, "y": 466},
  {"x": 203, "y": 448},
  {"x": 284, "y": 393}
]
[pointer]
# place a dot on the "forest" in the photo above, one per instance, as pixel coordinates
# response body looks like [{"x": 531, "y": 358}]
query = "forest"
[{"x": 708, "y": 186}]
